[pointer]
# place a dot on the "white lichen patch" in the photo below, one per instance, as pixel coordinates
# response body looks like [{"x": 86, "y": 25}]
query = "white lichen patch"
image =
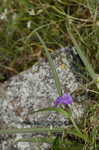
[{"x": 77, "y": 111}]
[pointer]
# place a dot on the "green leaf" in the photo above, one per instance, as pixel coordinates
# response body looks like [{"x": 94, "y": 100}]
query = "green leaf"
[
  {"x": 77, "y": 134},
  {"x": 82, "y": 55},
  {"x": 55, "y": 74},
  {"x": 31, "y": 130},
  {"x": 59, "y": 110},
  {"x": 64, "y": 144}
]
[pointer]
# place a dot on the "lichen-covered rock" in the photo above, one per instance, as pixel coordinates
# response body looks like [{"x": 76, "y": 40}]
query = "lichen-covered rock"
[{"x": 32, "y": 90}]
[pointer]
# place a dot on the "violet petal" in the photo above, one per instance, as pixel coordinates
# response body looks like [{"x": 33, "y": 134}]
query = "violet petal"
[{"x": 65, "y": 99}]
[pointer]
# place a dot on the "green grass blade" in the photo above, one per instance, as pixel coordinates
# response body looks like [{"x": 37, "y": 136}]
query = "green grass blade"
[
  {"x": 35, "y": 30},
  {"x": 55, "y": 74},
  {"x": 77, "y": 134},
  {"x": 59, "y": 110},
  {"x": 31, "y": 130},
  {"x": 82, "y": 55}
]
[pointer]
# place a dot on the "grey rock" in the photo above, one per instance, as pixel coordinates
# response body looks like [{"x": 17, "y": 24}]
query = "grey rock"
[{"x": 32, "y": 90}]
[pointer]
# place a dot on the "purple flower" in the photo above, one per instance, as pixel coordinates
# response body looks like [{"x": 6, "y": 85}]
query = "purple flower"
[{"x": 65, "y": 99}]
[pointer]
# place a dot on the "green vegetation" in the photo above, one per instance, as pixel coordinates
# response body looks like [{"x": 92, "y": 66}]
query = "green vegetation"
[
  {"x": 20, "y": 48},
  {"x": 25, "y": 27}
]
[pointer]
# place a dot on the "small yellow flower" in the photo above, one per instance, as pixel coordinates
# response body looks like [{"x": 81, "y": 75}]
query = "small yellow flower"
[{"x": 63, "y": 66}]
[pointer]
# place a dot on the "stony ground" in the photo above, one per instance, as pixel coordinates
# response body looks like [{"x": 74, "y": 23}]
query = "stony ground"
[{"x": 32, "y": 90}]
